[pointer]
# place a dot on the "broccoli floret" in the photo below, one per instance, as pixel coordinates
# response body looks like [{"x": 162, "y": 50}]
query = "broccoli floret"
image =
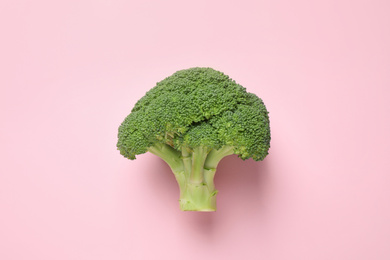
[{"x": 192, "y": 119}]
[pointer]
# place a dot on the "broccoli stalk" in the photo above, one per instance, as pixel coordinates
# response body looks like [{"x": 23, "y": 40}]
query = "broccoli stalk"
[
  {"x": 194, "y": 170},
  {"x": 192, "y": 120}
]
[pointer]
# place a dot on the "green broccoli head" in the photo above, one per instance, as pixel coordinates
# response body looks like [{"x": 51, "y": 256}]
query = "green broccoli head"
[
  {"x": 193, "y": 107},
  {"x": 197, "y": 112}
]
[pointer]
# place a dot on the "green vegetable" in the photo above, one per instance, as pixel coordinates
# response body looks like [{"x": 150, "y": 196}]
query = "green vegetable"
[{"x": 192, "y": 120}]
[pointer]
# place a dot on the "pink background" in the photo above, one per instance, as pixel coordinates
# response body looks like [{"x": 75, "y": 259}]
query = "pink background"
[{"x": 72, "y": 70}]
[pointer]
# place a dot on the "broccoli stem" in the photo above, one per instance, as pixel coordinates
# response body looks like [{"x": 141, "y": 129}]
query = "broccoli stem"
[
  {"x": 171, "y": 156},
  {"x": 215, "y": 156},
  {"x": 199, "y": 155},
  {"x": 194, "y": 170}
]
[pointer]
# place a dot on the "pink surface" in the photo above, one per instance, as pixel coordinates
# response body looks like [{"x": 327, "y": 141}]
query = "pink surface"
[{"x": 72, "y": 70}]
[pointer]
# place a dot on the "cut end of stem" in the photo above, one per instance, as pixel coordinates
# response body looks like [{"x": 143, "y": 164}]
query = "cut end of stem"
[
  {"x": 184, "y": 206},
  {"x": 200, "y": 210},
  {"x": 198, "y": 198}
]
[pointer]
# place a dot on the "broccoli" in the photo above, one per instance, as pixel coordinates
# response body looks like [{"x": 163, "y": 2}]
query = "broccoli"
[{"x": 192, "y": 119}]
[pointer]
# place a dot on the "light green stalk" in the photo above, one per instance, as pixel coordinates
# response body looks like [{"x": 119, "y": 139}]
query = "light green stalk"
[{"x": 194, "y": 170}]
